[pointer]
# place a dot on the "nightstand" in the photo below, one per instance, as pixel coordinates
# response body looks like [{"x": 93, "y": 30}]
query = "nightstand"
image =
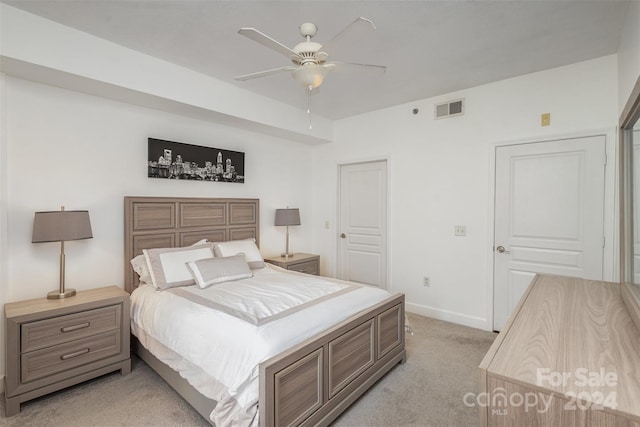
[
  {"x": 53, "y": 344},
  {"x": 304, "y": 263}
]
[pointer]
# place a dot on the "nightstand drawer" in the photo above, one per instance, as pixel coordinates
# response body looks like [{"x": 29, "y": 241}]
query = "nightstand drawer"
[
  {"x": 309, "y": 267},
  {"x": 49, "y": 361},
  {"x": 58, "y": 330}
]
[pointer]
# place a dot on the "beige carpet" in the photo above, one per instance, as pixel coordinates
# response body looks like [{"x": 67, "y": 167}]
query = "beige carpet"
[{"x": 442, "y": 361}]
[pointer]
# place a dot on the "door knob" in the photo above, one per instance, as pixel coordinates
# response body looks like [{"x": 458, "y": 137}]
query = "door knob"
[
  {"x": 343, "y": 235},
  {"x": 502, "y": 250}
]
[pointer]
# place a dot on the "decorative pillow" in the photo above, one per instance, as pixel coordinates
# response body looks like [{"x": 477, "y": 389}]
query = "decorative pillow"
[
  {"x": 167, "y": 266},
  {"x": 211, "y": 271},
  {"x": 247, "y": 247}
]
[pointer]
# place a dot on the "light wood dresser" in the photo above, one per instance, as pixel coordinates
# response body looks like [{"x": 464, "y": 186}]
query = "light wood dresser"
[
  {"x": 568, "y": 356},
  {"x": 303, "y": 263},
  {"x": 52, "y": 344}
]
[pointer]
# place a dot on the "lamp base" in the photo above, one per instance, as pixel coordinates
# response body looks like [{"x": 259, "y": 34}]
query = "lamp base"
[
  {"x": 286, "y": 255},
  {"x": 59, "y": 295}
]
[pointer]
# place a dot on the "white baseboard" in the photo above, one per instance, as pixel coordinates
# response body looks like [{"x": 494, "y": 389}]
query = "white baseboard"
[{"x": 448, "y": 316}]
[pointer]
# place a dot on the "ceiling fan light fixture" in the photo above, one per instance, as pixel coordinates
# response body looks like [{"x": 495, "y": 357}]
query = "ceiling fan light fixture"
[
  {"x": 310, "y": 75},
  {"x": 310, "y": 59}
]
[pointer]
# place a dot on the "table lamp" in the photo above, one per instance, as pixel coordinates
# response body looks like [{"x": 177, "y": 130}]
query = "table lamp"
[
  {"x": 287, "y": 217},
  {"x": 61, "y": 226}
]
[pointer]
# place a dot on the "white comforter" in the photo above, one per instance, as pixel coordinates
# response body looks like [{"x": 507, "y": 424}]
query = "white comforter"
[{"x": 218, "y": 353}]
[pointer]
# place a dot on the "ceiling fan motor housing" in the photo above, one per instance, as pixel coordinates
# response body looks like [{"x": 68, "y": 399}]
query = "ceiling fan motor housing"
[{"x": 307, "y": 52}]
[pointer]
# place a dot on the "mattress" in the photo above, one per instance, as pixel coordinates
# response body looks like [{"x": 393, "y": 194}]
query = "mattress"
[{"x": 216, "y": 338}]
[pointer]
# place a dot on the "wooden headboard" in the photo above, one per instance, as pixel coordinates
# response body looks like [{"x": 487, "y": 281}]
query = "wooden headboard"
[{"x": 167, "y": 222}]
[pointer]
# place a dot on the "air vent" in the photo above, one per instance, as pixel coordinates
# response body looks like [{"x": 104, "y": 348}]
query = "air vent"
[{"x": 449, "y": 109}]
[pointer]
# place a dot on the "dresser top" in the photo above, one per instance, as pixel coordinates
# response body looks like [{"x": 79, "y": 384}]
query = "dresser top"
[
  {"x": 571, "y": 337},
  {"x": 81, "y": 300}
]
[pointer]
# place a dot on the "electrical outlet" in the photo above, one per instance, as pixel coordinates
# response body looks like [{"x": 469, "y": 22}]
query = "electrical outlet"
[
  {"x": 460, "y": 230},
  {"x": 426, "y": 281}
]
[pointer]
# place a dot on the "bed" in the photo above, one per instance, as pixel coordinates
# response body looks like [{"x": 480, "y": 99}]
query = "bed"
[{"x": 308, "y": 383}]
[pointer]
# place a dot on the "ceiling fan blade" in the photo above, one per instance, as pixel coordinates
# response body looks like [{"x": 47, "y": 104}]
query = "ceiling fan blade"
[
  {"x": 353, "y": 31},
  {"x": 267, "y": 41},
  {"x": 350, "y": 66},
  {"x": 265, "y": 73}
]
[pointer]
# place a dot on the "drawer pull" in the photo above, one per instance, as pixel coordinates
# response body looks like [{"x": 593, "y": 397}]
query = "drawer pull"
[
  {"x": 75, "y": 327},
  {"x": 74, "y": 354}
]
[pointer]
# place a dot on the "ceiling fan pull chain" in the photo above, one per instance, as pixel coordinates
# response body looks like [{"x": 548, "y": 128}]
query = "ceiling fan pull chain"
[{"x": 310, "y": 88}]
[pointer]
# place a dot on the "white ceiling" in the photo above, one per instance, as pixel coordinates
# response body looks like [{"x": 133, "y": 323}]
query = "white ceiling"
[{"x": 429, "y": 47}]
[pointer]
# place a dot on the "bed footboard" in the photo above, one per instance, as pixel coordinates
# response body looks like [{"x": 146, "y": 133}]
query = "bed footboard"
[{"x": 315, "y": 381}]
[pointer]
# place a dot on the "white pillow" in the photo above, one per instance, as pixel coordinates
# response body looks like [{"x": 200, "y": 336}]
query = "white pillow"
[
  {"x": 211, "y": 271},
  {"x": 247, "y": 247},
  {"x": 167, "y": 266},
  {"x": 139, "y": 264}
]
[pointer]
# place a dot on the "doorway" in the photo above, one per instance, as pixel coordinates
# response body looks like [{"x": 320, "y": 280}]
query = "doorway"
[
  {"x": 549, "y": 215},
  {"x": 362, "y": 227}
]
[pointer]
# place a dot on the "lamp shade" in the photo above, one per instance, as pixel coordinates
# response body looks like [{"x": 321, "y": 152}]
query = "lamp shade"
[
  {"x": 289, "y": 216},
  {"x": 61, "y": 226}
]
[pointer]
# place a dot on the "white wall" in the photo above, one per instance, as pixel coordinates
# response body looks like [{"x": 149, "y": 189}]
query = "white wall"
[
  {"x": 85, "y": 152},
  {"x": 439, "y": 176},
  {"x": 629, "y": 54}
]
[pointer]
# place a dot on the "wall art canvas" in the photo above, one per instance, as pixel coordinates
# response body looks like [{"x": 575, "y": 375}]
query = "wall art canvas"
[{"x": 176, "y": 160}]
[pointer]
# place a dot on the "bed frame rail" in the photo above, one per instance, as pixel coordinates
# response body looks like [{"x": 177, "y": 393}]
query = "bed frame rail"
[{"x": 315, "y": 381}]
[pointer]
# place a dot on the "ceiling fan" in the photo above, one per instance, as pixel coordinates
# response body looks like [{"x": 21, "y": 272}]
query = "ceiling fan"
[{"x": 310, "y": 59}]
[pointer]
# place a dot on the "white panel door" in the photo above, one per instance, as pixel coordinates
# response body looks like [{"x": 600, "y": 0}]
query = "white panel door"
[
  {"x": 549, "y": 215},
  {"x": 363, "y": 223}
]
